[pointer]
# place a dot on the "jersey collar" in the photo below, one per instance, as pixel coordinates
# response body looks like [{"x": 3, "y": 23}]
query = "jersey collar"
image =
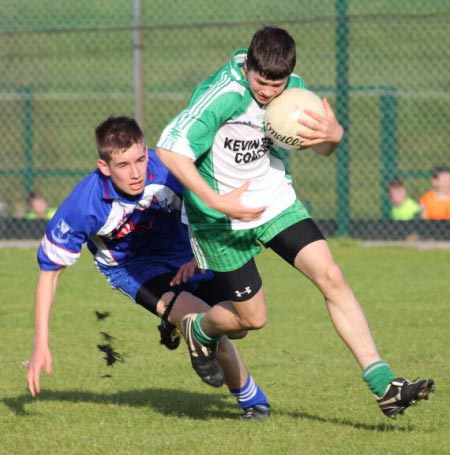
[{"x": 236, "y": 66}]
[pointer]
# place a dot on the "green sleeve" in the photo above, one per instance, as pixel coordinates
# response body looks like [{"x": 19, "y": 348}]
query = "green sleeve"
[{"x": 207, "y": 111}]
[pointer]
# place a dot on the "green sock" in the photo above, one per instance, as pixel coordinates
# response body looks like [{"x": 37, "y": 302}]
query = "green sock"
[
  {"x": 200, "y": 334},
  {"x": 378, "y": 375}
]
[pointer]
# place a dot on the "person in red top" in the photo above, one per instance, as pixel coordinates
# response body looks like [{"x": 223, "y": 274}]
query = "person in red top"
[{"x": 436, "y": 202}]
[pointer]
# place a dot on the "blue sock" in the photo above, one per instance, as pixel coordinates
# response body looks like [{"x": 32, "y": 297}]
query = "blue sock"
[{"x": 250, "y": 394}]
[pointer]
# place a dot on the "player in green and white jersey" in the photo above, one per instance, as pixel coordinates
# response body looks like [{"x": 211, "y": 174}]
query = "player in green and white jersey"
[
  {"x": 223, "y": 131},
  {"x": 239, "y": 195}
]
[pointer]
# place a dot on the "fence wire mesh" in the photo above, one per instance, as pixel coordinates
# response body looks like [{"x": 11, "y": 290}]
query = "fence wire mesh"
[{"x": 383, "y": 64}]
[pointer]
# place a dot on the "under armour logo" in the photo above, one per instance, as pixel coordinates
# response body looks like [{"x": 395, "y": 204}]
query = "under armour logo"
[{"x": 247, "y": 290}]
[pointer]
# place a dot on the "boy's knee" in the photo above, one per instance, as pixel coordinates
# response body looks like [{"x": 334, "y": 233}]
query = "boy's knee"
[
  {"x": 254, "y": 321},
  {"x": 252, "y": 313},
  {"x": 333, "y": 277},
  {"x": 259, "y": 323},
  {"x": 238, "y": 335}
]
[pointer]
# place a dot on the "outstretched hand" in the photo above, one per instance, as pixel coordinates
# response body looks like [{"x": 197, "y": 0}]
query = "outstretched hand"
[
  {"x": 42, "y": 359},
  {"x": 231, "y": 205}
]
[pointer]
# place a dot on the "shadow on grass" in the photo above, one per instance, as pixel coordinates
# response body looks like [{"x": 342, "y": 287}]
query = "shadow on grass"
[
  {"x": 382, "y": 427},
  {"x": 179, "y": 403},
  {"x": 168, "y": 402}
]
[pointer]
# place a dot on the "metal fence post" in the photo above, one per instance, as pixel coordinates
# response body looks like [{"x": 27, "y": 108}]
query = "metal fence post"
[
  {"x": 342, "y": 101},
  {"x": 27, "y": 107},
  {"x": 138, "y": 46},
  {"x": 388, "y": 146}
]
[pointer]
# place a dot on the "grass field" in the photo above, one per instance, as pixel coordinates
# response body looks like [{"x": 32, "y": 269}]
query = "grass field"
[{"x": 153, "y": 403}]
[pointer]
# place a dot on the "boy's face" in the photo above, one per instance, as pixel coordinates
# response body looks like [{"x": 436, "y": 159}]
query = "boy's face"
[
  {"x": 264, "y": 90},
  {"x": 397, "y": 194},
  {"x": 38, "y": 205},
  {"x": 128, "y": 169},
  {"x": 442, "y": 181}
]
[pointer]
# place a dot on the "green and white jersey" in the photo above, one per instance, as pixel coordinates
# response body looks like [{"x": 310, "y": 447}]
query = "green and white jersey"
[{"x": 222, "y": 131}]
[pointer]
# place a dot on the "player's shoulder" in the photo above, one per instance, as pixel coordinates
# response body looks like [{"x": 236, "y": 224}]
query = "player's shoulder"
[
  {"x": 227, "y": 80},
  {"x": 412, "y": 202},
  {"x": 159, "y": 174},
  {"x": 296, "y": 81},
  {"x": 217, "y": 88},
  {"x": 155, "y": 167},
  {"x": 89, "y": 197},
  {"x": 93, "y": 187},
  {"x": 428, "y": 197}
]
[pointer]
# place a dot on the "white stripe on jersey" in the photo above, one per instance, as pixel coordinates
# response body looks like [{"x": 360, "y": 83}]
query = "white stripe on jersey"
[
  {"x": 198, "y": 252},
  {"x": 57, "y": 254},
  {"x": 119, "y": 210},
  {"x": 103, "y": 254},
  {"x": 184, "y": 121},
  {"x": 240, "y": 60},
  {"x": 164, "y": 196},
  {"x": 203, "y": 101}
]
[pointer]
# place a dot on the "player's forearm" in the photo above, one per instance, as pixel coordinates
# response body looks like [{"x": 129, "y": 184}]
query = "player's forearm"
[
  {"x": 326, "y": 148},
  {"x": 185, "y": 171},
  {"x": 329, "y": 147},
  {"x": 45, "y": 296}
]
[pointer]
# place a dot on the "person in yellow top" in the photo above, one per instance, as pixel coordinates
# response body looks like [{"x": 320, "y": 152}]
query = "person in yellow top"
[
  {"x": 435, "y": 203},
  {"x": 403, "y": 207},
  {"x": 38, "y": 208}
]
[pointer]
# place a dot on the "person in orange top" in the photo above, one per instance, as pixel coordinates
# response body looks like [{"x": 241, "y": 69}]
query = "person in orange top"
[{"x": 436, "y": 202}]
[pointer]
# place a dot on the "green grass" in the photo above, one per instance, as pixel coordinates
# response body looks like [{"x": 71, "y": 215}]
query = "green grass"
[{"x": 155, "y": 404}]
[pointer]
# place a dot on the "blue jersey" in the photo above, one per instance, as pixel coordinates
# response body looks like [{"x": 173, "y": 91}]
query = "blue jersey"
[{"x": 129, "y": 238}]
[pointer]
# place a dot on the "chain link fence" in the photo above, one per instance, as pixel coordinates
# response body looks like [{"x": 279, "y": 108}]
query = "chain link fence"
[{"x": 383, "y": 64}]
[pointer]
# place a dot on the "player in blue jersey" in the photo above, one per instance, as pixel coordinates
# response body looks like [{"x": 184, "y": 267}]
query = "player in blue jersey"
[{"x": 128, "y": 214}]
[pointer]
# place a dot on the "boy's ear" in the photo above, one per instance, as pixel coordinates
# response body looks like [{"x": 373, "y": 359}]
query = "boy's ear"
[{"x": 104, "y": 167}]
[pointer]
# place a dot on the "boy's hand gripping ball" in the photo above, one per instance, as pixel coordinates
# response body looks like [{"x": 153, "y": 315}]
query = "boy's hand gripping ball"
[{"x": 282, "y": 115}]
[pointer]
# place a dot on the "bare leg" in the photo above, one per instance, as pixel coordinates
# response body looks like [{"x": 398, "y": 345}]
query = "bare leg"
[
  {"x": 228, "y": 356},
  {"x": 234, "y": 317},
  {"x": 316, "y": 262}
]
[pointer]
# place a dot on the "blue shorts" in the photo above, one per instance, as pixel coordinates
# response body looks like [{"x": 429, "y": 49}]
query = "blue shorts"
[{"x": 128, "y": 278}]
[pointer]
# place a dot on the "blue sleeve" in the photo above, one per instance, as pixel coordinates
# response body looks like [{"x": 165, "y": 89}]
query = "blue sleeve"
[
  {"x": 77, "y": 218},
  {"x": 162, "y": 174}
]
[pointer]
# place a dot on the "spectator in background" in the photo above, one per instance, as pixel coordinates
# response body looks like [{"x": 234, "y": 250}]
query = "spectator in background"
[
  {"x": 3, "y": 209},
  {"x": 37, "y": 207},
  {"x": 403, "y": 207},
  {"x": 435, "y": 203}
]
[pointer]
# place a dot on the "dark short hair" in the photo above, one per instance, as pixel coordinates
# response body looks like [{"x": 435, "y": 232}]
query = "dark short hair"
[
  {"x": 117, "y": 134},
  {"x": 272, "y": 53},
  {"x": 441, "y": 169},
  {"x": 32, "y": 195},
  {"x": 396, "y": 183}
]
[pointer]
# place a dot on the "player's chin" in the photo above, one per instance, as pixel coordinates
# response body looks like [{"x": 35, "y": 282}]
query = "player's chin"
[
  {"x": 135, "y": 190},
  {"x": 264, "y": 100}
]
